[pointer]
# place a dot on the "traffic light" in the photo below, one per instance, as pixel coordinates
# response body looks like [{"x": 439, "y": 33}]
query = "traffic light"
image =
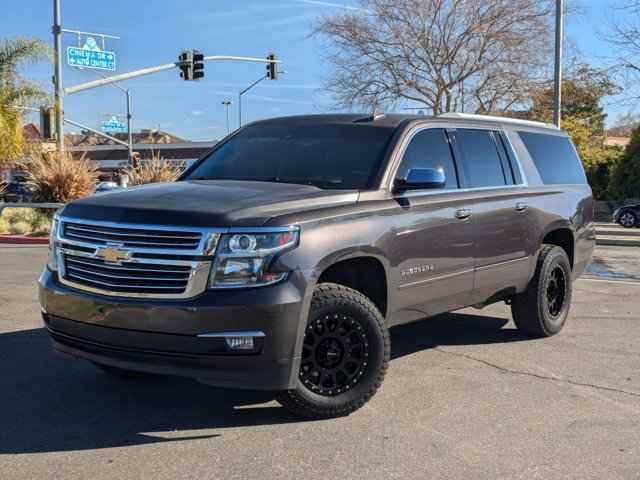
[
  {"x": 272, "y": 67},
  {"x": 186, "y": 65},
  {"x": 198, "y": 65},
  {"x": 48, "y": 123}
]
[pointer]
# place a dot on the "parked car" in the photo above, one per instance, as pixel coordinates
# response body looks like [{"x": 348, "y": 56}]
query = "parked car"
[
  {"x": 103, "y": 187},
  {"x": 18, "y": 192},
  {"x": 280, "y": 259},
  {"x": 628, "y": 215}
]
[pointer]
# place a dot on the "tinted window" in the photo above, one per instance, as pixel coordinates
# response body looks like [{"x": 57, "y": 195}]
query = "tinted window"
[
  {"x": 430, "y": 149},
  {"x": 555, "y": 158},
  {"x": 340, "y": 156},
  {"x": 482, "y": 163}
]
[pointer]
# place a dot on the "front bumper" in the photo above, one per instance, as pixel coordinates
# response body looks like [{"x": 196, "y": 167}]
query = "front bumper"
[{"x": 162, "y": 336}]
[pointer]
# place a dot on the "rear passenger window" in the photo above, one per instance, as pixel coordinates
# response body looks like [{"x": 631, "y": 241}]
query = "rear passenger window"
[
  {"x": 554, "y": 157},
  {"x": 430, "y": 149},
  {"x": 482, "y": 164}
]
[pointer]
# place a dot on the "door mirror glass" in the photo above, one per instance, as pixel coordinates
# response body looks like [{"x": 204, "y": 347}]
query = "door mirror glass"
[{"x": 421, "y": 179}]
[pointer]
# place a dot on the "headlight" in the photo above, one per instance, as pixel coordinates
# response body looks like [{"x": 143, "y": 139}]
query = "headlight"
[
  {"x": 52, "y": 261},
  {"x": 243, "y": 259}
]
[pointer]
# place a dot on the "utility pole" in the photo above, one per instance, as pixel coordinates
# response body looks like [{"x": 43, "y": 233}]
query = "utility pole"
[
  {"x": 557, "y": 96},
  {"x": 57, "y": 75},
  {"x": 227, "y": 103}
]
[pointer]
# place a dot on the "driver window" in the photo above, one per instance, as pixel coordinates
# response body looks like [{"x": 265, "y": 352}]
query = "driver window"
[{"x": 429, "y": 148}]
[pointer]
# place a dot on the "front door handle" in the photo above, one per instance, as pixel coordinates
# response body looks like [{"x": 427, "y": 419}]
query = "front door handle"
[
  {"x": 463, "y": 213},
  {"x": 521, "y": 206}
]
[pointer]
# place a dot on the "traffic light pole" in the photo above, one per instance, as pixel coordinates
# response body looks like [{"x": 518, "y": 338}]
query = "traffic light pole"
[
  {"x": 97, "y": 132},
  {"x": 57, "y": 74},
  {"x": 156, "y": 69},
  {"x": 242, "y": 93}
]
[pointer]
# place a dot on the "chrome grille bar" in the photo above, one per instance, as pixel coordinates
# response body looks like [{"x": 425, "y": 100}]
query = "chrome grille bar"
[
  {"x": 128, "y": 238},
  {"x": 151, "y": 261}
]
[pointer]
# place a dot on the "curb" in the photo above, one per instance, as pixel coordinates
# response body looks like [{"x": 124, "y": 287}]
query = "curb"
[
  {"x": 618, "y": 241},
  {"x": 22, "y": 240}
]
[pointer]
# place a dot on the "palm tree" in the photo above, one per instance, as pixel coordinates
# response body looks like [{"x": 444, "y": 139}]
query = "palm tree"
[{"x": 16, "y": 90}]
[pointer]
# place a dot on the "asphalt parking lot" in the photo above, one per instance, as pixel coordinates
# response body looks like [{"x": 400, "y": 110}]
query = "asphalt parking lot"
[{"x": 466, "y": 397}]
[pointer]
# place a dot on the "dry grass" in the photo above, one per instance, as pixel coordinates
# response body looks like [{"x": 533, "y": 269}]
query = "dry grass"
[
  {"x": 155, "y": 170},
  {"x": 60, "y": 178},
  {"x": 3, "y": 188}
]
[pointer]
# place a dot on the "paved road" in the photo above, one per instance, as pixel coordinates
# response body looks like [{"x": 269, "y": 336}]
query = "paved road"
[{"x": 466, "y": 397}]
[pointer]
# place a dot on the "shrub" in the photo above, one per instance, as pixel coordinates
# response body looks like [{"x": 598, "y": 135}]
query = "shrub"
[
  {"x": 625, "y": 180},
  {"x": 154, "y": 171},
  {"x": 24, "y": 221},
  {"x": 20, "y": 228},
  {"x": 59, "y": 178}
]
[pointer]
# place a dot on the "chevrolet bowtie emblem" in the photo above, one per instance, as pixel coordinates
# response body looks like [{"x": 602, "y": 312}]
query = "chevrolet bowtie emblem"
[{"x": 113, "y": 254}]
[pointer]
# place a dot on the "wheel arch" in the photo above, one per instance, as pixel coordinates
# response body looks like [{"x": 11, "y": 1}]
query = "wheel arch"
[
  {"x": 563, "y": 237},
  {"x": 365, "y": 271}
]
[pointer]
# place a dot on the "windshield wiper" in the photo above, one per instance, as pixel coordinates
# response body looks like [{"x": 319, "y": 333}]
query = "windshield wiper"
[{"x": 304, "y": 181}]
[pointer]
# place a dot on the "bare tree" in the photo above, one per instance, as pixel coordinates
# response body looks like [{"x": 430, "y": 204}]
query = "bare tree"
[
  {"x": 625, "y": 38},
  {"x": 443, "y": 55}
]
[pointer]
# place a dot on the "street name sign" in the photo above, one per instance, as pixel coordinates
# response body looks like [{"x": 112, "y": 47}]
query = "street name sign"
[
  {"x": 91, "y": 56},
  {"x": 112, "y": 125}
]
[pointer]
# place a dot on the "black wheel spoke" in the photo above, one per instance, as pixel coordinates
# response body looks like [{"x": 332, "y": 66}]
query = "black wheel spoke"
[
  {"x": 334, "y": 354},
  {"x": 556, "y": 291}
]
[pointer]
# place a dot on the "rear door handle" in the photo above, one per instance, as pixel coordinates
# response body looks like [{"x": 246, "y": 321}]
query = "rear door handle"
[
  {"x": 521, "y": 206},
  {"x": 463, "y": 213}
]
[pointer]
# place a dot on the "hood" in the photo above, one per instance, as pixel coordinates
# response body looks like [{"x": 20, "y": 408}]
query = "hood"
[{"x": 206, "y": 203}]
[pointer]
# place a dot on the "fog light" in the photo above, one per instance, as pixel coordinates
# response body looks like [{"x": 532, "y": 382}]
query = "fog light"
[{"x": 240, "y": 343}]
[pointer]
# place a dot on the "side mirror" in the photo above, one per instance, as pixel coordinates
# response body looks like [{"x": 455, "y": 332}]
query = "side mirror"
[{"x": 421, "y": 179}]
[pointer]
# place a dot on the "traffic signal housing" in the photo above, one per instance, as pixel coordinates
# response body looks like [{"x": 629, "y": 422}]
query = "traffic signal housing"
[
  {"x": 186, "y": 65},
  {"x": 198, "y": 64},
  {"x": 48, "y": 123},
  {"x": 272, "y": 67}
]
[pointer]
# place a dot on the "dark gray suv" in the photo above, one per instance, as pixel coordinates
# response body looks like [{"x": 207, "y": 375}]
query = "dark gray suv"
[{"x": 281, "y": 258}]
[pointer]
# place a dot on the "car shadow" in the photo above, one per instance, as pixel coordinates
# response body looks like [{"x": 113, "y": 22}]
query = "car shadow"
[{"x": 51, "y": 403}]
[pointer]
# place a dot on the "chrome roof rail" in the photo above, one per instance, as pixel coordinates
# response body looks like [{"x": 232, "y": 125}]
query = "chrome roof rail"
[{"x": 490, "y": 118}]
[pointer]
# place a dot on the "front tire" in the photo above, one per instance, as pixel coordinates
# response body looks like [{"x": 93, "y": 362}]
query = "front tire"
[
  {"x": 542, "y": 310},
  {"x": 345, "y": 355}
]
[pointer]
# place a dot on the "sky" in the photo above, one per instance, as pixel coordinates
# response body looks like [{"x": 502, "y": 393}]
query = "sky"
[{"x": 154, "y": 31}]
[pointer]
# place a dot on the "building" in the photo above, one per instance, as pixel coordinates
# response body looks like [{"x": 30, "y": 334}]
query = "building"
[{"x": 111, "y": 159}]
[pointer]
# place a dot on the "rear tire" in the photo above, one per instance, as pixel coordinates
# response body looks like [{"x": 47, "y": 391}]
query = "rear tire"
[
  {"x": 541, "y": 311},
  {"x": 345, "y": 355}
]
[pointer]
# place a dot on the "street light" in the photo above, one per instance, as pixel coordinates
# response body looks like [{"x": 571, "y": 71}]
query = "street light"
[
  {"x": 130, "y": 159},
  {"x": 557, "y": 81},
  {"x": 267, "y": 75},
  {"x": 227, "y": 103}
]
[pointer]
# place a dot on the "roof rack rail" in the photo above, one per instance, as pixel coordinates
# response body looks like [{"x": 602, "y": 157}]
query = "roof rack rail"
[{"x": 514, "y": 121}]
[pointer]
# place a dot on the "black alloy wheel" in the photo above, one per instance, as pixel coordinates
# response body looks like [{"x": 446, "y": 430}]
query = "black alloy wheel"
[
  {"x": 556, "y": 291},
  {"x": 334, "y": 354}
]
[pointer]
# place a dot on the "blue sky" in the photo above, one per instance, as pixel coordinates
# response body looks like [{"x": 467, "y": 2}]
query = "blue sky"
[{"x": 154, "y": 31}]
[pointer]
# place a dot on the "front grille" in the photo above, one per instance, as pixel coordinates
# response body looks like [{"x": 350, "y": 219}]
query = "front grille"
[
  {"x": 128, "y": 277},
  {"x": 131, "y": 237},
  {"x": 139, "y": 261}
]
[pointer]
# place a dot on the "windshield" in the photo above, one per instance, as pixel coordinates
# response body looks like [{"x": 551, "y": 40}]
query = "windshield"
[{"x": 331, "y": 156}]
